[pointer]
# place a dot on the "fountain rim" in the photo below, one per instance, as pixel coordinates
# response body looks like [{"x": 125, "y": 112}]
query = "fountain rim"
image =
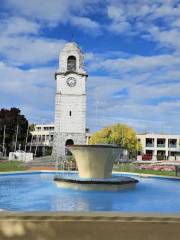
[
  {"x": 93, "y": 146},
  {"x": 113, "y": 181}
]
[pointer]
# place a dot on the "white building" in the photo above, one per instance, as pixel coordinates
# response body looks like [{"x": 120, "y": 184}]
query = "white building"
[
  {"x": 70, "y": 106},
  {"x": 43, "y": 135},
  {"x": 160, "y": 146}
]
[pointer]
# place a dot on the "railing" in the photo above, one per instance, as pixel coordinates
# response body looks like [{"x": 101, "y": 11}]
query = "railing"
[
  {"x": 41, "y": 143},
  {"x": 149, "y": 145},
  {"x": 172, "y": 145},
  {"x": 161, "y": 145}
]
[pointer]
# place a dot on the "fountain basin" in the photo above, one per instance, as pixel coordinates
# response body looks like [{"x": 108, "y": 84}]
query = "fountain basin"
[
  {"x": 73, "y": 181},
  {"x": 94, "y": 161}
]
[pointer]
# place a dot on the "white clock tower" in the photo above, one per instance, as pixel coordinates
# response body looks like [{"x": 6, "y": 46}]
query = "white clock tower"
[{"x": 70, "y": 106}]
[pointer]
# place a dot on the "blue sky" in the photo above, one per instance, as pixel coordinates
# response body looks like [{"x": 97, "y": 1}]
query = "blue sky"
[{"x": 132, "y": 56}]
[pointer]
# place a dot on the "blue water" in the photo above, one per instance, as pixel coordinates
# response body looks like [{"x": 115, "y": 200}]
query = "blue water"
[{"x": 38, "y": 192}]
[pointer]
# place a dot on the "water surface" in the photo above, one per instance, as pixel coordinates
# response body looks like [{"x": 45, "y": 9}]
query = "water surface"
[{"x": 38, "y": 192}]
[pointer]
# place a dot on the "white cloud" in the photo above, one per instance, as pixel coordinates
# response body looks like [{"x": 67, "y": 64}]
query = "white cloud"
[
  {"x": 143, "y": 18},
  {"x": 176, "y": 23},
  {"x": 21, "y": 40},
  {"x": 135, "y": 63},
  {"x": 166, "y": 37},
  {"x": 51, "y": 11},
  {"x": 139, "y": 90},
  {"x": 168, "y": 9},
  {"x": 17, "y": 25},
  {"x": 31, "y": 90},
  {"x": 84, "y": 22},
  {"x": 120, "y": 23},
  {"x": 120, "y": 27},
  {"x": 30, "y": 50},
  {"x": 56, "y": 11},
  {"x": 117, "y": 14},
  {"x": 21, "y": 44}
]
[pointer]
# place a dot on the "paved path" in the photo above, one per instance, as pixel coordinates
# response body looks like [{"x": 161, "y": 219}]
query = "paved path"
[{"x": 42, "y": 163}]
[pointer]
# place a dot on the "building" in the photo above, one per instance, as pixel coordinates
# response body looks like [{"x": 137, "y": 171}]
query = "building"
[
  {"x": 70, "y": 103},
  {"x": 43, "y": 135},
  {"x": 42, "y": 138},
  {"x": 160, "y": 146}
]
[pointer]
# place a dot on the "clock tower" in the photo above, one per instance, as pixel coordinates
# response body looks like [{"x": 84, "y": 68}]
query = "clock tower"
[{"x": 70, "y": 105}]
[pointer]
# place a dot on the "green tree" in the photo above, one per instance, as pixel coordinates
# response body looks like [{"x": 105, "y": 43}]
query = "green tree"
[
  {"x": 11, "y": 119},
  {"x": 120, "y": 134}
]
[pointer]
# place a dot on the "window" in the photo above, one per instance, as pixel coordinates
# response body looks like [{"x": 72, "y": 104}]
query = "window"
[
  {"x": 172, "y": 143},
  {"x": 161, "y": 142},
  {"x": 71, "y": 63},
  {"x": 149, "y": 142},
  {"x": 34, "y": 137}
]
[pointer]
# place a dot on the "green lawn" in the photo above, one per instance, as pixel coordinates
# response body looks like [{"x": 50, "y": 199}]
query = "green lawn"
[
  {"x": 133, "y": 168},
  {"x": 9, "y": 166}
]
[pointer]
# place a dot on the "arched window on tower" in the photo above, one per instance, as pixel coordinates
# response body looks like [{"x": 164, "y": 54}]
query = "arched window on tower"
[{"x": 71, "y": 63}]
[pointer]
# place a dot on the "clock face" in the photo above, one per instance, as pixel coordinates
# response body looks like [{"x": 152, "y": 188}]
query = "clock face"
[{"x": 71, "y": 81}]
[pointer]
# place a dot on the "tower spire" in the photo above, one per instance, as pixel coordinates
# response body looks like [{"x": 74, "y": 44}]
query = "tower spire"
[{"x": 72, "y": 37}]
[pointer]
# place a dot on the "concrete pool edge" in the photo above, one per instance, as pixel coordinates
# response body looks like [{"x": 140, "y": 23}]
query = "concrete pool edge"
[
  {"x": 65, "y": 225},
  {"x": 143, "y": 175},
  {"x": 114, "y": 172},
  {"x": 89, "y": 216}
]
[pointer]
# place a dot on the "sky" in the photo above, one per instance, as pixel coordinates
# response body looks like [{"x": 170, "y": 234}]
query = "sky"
[{"x": 132, "y": 56}]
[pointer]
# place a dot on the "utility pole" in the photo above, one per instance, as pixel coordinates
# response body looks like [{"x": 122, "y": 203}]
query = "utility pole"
[
  {"x": 97, "y": 105},
  {"x": 31, "y": 143},
  {"x": 17, "y": 130},
  {"x": 38, "y": 138},
  {"x": 122, "y": 136},
  {"x": 4, "y": 138},
  {"x": 26, "y": 138}
]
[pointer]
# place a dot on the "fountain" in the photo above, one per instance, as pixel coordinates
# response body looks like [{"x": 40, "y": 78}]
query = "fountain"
[{"x": 95, "y": 163}]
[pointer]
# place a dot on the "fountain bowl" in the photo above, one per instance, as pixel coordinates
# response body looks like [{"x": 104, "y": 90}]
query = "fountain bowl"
[{"x": 95, "y": 161}]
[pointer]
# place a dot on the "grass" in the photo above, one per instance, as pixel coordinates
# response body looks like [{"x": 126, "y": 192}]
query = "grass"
[
  {"x": 10, "y": 166},
  {"x": 128, "y": 167}
]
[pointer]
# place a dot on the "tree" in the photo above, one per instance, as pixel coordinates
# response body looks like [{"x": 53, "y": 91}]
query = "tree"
[
  {"x": 120, "y": 134},
  {"x": 11, "y": 119}
]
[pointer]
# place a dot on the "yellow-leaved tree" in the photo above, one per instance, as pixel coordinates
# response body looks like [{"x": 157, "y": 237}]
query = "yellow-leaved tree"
[{"x": 120, "y": 134}]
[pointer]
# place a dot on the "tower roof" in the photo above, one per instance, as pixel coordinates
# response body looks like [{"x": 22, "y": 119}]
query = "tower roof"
[
  {"x": 71, "y": 46},
  {"x": 71, "y": 49}
]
